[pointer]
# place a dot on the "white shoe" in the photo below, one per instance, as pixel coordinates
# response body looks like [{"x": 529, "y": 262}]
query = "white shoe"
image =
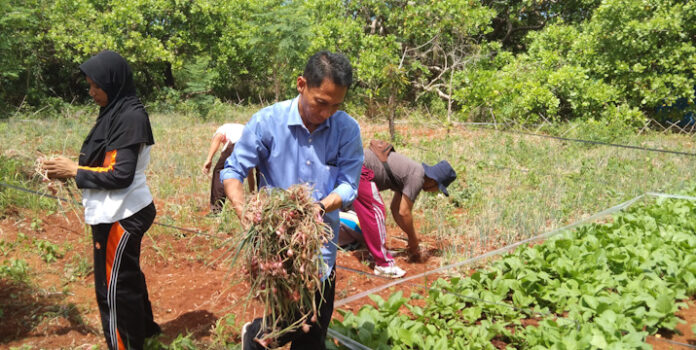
[
  {"x": 389, "y": 271},
  {"x": 244, "y": 330}
]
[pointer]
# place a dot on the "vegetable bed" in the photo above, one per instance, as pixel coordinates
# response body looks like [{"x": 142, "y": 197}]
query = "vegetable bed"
[{"x": 606, "y": 286}]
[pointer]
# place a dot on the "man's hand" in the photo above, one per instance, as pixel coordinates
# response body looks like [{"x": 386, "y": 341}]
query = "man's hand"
[
  {"x": 322, "y": 209},
  {"x": 60, "y": 168},
  {"x": 415, "y": 254},
  {"x": 402, "y": 211}
]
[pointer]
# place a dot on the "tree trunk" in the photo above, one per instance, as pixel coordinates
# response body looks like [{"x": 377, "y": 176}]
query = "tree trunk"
[
  {"x": 276, "y": 85},
  {"x": 449, "y": 100},
  {"x": 392, "y": 112},
  {"x": 168, "y": 76}
]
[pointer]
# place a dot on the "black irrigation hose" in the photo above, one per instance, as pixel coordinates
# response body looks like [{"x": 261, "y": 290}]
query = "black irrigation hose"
[
  {"x": 689, "y": 346},
  {"x": 19, "y": 188},
  {"x": 347, "y": 341},
  {"x": 361, "y": 272}
]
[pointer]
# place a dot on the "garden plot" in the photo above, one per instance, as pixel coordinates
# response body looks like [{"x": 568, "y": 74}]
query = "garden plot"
[{"x": 509, "y": 188}]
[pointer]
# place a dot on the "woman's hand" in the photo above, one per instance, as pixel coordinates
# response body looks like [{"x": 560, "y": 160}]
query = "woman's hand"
[{"x": 60, "y": 168}]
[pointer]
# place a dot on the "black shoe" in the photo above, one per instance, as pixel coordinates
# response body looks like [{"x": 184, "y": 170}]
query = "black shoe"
[{"x": 153, "y": 331}]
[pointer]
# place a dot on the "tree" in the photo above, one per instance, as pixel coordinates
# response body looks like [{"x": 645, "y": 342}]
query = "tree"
[{"x": 23, "y": 54}]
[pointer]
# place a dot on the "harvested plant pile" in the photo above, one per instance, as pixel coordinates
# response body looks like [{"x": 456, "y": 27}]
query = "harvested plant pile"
[{"x": 282, "y": 253}]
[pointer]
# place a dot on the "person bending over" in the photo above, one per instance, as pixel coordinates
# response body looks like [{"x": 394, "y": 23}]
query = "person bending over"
[{"x": 385, "y": 169}]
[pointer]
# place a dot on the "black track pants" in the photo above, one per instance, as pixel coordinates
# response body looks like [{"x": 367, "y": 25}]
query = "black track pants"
[
  {"x": 217, "y": 190},
  {"x": 126, "y": 312}
]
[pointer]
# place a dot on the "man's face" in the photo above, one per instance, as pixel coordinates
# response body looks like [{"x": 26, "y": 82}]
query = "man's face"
[
  {"x": 430, "y": 185},
  {"x": 317, "y": 104}
]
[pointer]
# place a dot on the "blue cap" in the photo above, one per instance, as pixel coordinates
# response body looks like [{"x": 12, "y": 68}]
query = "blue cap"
[{"x": 441, "y": 172}]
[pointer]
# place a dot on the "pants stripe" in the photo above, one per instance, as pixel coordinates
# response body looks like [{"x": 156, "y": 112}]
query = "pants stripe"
[
  {"x": 369, "y": 207},
  {"x": 118, "y": 239},
  {"x": 381, "y": 223}
]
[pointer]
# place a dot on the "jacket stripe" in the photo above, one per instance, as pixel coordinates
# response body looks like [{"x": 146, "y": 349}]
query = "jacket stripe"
[{"x": 108, "y": 165}]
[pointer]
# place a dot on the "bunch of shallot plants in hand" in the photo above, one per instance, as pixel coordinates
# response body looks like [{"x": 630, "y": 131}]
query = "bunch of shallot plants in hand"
[
  {"x": 283, "y": 257},
  {"x": 65, "y": 191}
]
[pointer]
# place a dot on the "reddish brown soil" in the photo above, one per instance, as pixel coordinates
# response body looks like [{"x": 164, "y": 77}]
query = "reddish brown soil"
[
  {"x": 190, "y": 290},
  {"x": 683, "y": 335}
]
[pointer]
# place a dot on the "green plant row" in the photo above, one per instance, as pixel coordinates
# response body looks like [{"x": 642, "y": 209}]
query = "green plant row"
[{"x": 601, "y": 286}]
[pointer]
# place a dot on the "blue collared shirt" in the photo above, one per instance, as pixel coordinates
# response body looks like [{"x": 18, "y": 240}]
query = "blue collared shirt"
[{"x": 329, "y": 159}]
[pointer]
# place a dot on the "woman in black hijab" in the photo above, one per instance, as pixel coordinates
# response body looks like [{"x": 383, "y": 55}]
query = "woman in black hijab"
[{"x": 118, "y": 204}]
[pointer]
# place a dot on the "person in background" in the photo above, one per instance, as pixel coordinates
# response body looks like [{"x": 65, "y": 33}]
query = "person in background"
[
  {"x": 406, "y": 178},
  {"x": 226, "y": 136},
  {"x": 118, "y": 204},
  {"x": 304, "y": 140},
  {"x": 350, "y": 236}
]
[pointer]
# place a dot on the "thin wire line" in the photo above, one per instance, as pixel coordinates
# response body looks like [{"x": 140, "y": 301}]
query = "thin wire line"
[{"x": 590, "y": 142}]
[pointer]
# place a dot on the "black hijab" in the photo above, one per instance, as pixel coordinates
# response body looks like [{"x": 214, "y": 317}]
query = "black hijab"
[{"x": 123, "y": 121}]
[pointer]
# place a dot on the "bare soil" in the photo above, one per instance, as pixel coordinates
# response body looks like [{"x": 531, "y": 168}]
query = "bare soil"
[
  {"x": 189, "y": 287},
  {"x": 189, "y": 294}
]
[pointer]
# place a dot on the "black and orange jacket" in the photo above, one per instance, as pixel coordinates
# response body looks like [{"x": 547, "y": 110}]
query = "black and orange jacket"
[{"x": 117, "y": 170}]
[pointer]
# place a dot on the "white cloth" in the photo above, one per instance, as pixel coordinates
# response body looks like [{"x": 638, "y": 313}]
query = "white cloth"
[
  {"x": 231, "y": 132},
  {"x": 109, "y": 206}
]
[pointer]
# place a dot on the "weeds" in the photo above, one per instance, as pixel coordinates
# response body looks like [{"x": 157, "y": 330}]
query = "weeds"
[
  {"x": 183, "y": 342},
  {"x": 226, "y": 331},
  {"x": 48, "y": 251},
  {"x": 16, "y": 270},
  {"x": 509, "y": 187},
  {"x": 79, "y": 267}
]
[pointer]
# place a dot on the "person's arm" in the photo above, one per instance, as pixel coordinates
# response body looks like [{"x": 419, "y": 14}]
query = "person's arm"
[
  {"x": 214, "y": 145},
  {"x": 118, "y": 170},
  {"x": 251, "y": 180},
  {"x": 402, "y": 211},
  {"x": 59, "y": 168},
  {"x": 235, "y": 193},
  {"x": 246, "y": 156},
  {"x": 349, "y": 162},
  {"x": 332, "y": 202}
]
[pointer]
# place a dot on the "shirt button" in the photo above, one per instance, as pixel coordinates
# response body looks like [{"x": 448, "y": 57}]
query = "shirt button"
[
  {"x": 309, "y": 163},
  {"x": 310, "y": 140}
]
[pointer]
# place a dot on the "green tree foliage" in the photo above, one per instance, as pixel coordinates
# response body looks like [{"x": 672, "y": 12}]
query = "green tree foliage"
[
  {"x": 23, "y": 58},
  {"x": 155, "y": 36},
  {"x": 263, "y": 50},
  {"x": 644, "y": 48},
  {"x": 630, "y": 57},
  {"x": 520, "y": 60},
  {"x": 515, "y": 18}
]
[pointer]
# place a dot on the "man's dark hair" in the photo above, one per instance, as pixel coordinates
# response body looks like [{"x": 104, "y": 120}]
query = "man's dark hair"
[{"x": 325, "y": 64}]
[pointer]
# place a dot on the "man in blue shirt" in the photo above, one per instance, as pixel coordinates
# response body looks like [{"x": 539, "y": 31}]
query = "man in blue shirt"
[{"x": 303, "y": 140}]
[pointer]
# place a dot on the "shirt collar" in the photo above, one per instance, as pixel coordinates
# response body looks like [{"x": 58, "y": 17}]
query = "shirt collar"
[{"x": 295, "y": 119}]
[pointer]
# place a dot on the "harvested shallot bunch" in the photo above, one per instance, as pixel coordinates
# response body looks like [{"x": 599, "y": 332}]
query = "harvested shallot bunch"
[
  {"x": 283, "y": 257},
  {"x": 65, "y": 191}
]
